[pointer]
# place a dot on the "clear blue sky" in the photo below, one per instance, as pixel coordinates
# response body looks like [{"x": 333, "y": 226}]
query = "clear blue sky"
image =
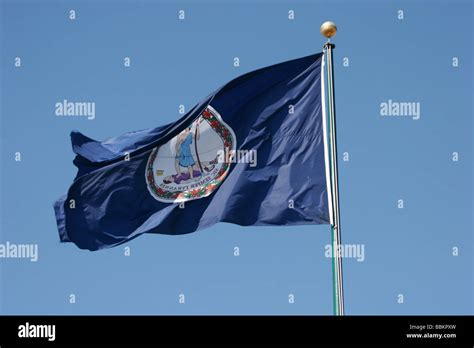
[{"x": 407, "y": 251}]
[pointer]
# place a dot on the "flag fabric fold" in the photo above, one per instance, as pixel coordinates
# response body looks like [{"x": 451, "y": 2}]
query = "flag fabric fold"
[{"x": 251, "y": 153}]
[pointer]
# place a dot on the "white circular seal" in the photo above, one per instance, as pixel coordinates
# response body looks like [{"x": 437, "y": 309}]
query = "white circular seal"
[{"x": 194, "y": 163}]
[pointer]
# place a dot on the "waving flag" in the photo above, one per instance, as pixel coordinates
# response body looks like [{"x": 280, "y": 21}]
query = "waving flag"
[{"x": 251, "y": 153}]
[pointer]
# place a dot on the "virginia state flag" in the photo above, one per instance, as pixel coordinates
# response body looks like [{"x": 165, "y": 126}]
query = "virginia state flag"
[{"x": 252, "y": 153}]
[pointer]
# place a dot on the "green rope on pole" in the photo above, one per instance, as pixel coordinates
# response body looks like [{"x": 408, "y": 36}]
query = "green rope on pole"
[
  {"x": 335, "y": 300},
  {"x": 333, "y": 236}
]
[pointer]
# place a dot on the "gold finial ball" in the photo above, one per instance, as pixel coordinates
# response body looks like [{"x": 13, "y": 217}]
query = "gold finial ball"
[{"x": 328, "y": 29}]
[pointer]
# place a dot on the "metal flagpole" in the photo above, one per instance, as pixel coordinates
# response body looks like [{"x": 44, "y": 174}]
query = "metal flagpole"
[{"x": 328, "y": 29}]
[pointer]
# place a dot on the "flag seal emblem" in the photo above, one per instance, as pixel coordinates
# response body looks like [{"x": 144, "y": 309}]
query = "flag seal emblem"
[{"x": 194, "y": 163}]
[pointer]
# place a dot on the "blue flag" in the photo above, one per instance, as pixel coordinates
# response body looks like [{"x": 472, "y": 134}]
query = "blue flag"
[{"x": 252, "y": 153}]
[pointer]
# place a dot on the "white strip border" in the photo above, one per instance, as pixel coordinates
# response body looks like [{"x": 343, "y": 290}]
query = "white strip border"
[{"x": 325, "y": 136}]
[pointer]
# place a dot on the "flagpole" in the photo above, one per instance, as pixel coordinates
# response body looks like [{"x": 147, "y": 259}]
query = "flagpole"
[{"x": 328, "y": 29}]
